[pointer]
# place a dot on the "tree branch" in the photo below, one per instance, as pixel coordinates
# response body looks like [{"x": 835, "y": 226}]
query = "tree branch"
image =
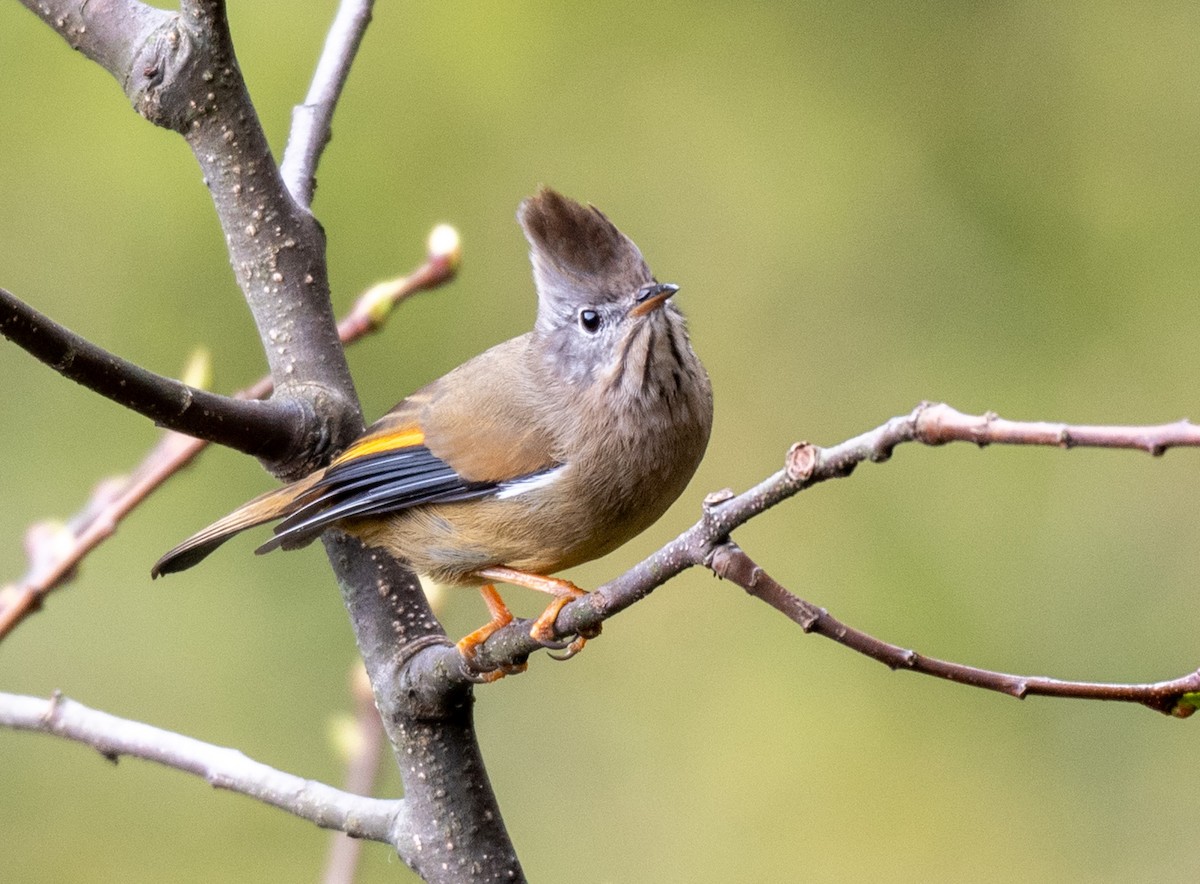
[
  {"x": 312, "y": 121},
  {"x": 428, "y": 719},
  {"x": 181, "y": 73},
  {"x": 261, "y": 429},
  {"x": 109, "y": 32},
  {"x": 55, "y": 552},
  {"x": 276, "y": 247},
  {"x": 223, "y": 768},
  {"x": 937, "y": 424},
  {"x": 1178, "y": 697},
  {"x": 807, "y": 465}
]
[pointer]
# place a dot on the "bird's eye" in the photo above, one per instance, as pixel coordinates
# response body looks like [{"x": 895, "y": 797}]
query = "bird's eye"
[{"x": 589, "y": 321}]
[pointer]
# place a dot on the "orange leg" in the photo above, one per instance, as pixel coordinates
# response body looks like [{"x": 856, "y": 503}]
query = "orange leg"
[
  {"x": 501, "y": 617},
  {"x": 563, "y": 591}
]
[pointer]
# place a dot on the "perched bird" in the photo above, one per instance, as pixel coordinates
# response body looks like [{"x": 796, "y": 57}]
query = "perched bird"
[{"x": 547, "y": 450}]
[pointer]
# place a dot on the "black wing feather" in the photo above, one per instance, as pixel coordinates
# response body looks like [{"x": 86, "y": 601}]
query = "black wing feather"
[{"x": 372, "y": 485}]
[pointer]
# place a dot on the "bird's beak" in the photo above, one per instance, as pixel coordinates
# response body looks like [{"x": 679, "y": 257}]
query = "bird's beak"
[{"x": 652, "y": 296}]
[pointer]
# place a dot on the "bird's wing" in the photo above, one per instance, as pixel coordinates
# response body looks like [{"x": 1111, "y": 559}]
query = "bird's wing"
[
  {"x": 494, "y": 418},
  {"x": 386, "y": 470},
  {"x": 477, "y": 431},
  {"x": 440, "y": 445}
]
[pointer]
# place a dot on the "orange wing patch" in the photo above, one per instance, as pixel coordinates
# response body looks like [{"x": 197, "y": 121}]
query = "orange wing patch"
[{"x": 373, "y": 443}]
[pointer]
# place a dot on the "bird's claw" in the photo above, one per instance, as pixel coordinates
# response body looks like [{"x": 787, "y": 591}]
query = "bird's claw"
[
  {"x": 478, "y": 675},
  {"x": 571, "y": 649},
  {"x": 487, "y": 676},
  {"x": 543, "y": 633}
]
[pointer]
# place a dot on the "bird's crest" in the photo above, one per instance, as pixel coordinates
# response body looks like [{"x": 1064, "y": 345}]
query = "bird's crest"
[{"x": 577, "y": 244}]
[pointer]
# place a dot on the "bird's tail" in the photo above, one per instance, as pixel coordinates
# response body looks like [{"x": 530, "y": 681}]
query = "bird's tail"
[{"x": 264, "y": 508}]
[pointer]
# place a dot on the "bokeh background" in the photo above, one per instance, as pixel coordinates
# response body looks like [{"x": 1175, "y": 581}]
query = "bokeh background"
[{"x": 867, "y": 205}]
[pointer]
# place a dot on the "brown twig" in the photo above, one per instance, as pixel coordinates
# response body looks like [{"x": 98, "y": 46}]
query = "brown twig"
[
  {"x": 936, "y": 424},
  {"x": 55, "y": 554},
  {"x": 1178, "y": 697}
]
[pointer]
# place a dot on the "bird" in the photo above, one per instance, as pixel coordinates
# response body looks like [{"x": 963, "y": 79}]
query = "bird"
[{"x": 543, "y": 452}]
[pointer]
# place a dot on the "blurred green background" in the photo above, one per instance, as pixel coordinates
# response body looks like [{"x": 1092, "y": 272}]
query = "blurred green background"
[{"x": 992, "y": 204}]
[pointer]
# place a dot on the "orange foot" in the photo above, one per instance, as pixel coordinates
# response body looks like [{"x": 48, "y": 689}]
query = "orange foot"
[
  {"x": 470, "y": 643},
  {"x": 543, "y": 629}
]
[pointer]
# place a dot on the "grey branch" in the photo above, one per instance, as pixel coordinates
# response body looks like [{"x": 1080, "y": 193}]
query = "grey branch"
[
  {"x": 263, "y": 429},
  {"x": 180, "y": 71},
  {"x": 312, "y": 121},
  {"x": 221, "y": 767}
]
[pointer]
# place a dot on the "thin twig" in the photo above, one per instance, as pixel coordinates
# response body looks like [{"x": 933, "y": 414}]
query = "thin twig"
[
  {"x": 312, "y": 121},
  {"x": 54, "y": 556},
  {"x": 937, "y": 424},
  {"x": 222, "y": 767},
  {"x": 1177, "y": 697},
  {"x": 366, "y": 753}
]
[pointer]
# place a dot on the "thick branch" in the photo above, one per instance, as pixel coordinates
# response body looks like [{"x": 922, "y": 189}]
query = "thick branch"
[
  {"x": 459, "y": 832},
  {"x": 312, "y": 121},
  {"x": 262, "y": 429},
  {"x": 1176, "y": 697},
  {"x": 223, "y": 768},
  {"x": 276, "y": 247},
  {"x": 183, "y": 75},
  {"x": 109, "y": 32}
]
